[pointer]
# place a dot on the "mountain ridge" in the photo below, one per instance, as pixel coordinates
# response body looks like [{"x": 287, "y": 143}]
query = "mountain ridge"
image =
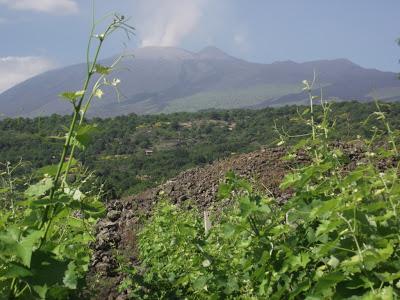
[{"x": 169, "y": 79}]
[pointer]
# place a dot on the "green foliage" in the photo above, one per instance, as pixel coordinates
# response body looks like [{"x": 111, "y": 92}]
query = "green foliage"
[
  {"x": 115, "y": 149},
  {"x": 337, "y": 237},
  {"x": 45, "y": 261},
  {"x": 10, "y": 185},
  {"x": 180, "y": 244},
  {"x": 44, "y": 238}
]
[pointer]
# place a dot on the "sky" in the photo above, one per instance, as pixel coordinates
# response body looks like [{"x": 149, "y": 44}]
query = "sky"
[{"x": 39, "y": 35}]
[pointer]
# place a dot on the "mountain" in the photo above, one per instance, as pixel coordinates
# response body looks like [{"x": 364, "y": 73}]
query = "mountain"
[{"x": 167, "y": 79}]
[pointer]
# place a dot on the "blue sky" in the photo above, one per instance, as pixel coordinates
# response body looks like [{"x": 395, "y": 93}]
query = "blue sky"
[{"x": 37, "y": 35}]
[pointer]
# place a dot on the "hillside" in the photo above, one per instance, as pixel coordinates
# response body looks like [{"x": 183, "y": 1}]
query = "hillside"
[
  {"x": 165, "y": 80},
  {"x": 117, "y": 153},
  {"x": 119, "y": 265}
]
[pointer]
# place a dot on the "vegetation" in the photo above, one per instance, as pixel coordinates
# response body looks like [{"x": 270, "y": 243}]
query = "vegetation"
[
  {"x": 116, "y": 152},
  {"x": 45, "y": 231},
  {"x": 337, "y": 237}
]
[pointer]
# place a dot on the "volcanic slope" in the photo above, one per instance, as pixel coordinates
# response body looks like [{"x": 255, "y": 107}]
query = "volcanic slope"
[{"x": 167, "y": 79}]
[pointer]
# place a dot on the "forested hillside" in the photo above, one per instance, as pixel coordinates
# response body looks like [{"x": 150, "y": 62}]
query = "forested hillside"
[{"x": 131, "y": 153}]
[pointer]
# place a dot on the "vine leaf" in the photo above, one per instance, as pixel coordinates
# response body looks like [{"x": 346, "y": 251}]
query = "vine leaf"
[
  {"x": 84, "y": 136},
  {"x": 72, "y": 96},
  {"x": 15, "y": 270},
  {"x": 102, "y": 69},
  {"x": 70, "y": 279},
  {"x": 41, "y": 188}
]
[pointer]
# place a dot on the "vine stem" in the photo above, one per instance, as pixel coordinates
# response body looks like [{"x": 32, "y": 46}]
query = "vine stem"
[
  {"x": 353, "y": 234},
  {"x": 82, "y": 116},
  {"x": 48, "y": 215},
  {"x": 80, "y": 107},
  {"x": 12, "y": 287},
  {"x": 312, "y": 107}
]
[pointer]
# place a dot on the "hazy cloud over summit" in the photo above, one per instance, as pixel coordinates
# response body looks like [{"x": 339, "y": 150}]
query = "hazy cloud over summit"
[
  {"x": 363, "y": 31},
  {"x": 167, "y": 23}
]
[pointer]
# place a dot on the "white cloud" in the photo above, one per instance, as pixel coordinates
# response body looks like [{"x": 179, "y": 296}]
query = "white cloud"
[
  {"x": 15, "y": 69},
  {"x": 239, "y": 39},
  {"x": 167, "y": 23},
  {"x": 48, "y": 6}
]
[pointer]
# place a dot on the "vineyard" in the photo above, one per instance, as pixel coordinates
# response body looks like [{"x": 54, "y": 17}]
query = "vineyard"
[{"x": 299, "y": 202}]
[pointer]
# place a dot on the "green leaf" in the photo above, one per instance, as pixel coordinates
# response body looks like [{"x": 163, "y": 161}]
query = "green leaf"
[
  {"x": 299, "y": 261},
  {"x": 229, "y": 230},
  {"x": 72, "y": 96},
  {"x": 45, "y": 201},
  {"x": 27, "y": 246},
  {"x": 41, "y": 290},
  {"x": 303, "y": 286},
  {"x": 324, "y": 207},
  {"x": 93, "y": 209},
  {"x": 40, "y": 188},
  {"x": 4, "y": 190},
  {"x": 354, "y": 176},
  {"x": 231, "y": 286},
  {"x": 333, "y": 262},
  {"x": 224, "y": 191},
  {"x": 14, "y": 270},
  {"x": 290, "y": 180},
  {"x": 200, "y": 283},
  {"x": 47, "y": 270},
  {"x": 102, "y": 69},
  {"x": 372, "y": 257},
  {"x": 352, "y": 264},
  {"x": 385, "y": 293},
  {"x": 70, "y": 279},
  {"x": 84, "y": 135},
  {"x": 12, "y": 244},
  {"x": 51, "y": 170},
  {"x": 328, "y": 281},
  {"x": 327, "y": 226},
  {"x": 8, "y": 244},
  {"x": 246, "y": 206}
]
